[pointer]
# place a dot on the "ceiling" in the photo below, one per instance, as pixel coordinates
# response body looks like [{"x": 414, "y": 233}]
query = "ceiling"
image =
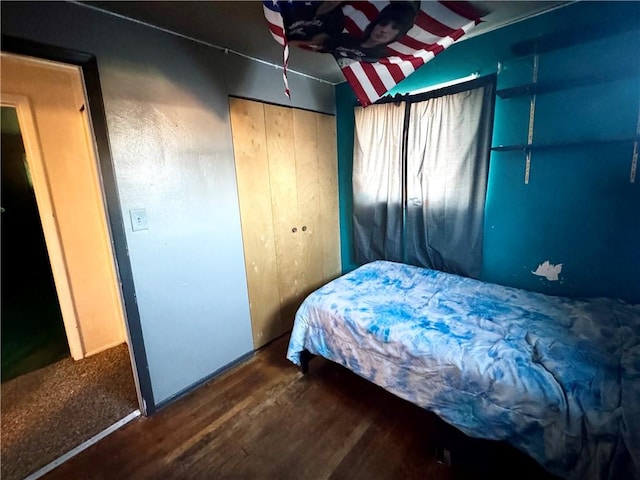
[{"x": 240, "y": 26}]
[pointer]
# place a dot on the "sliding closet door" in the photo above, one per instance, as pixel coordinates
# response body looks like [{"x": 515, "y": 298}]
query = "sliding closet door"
[
  {"x": 254, "y": 190},
  {"x": 286, "y": 159},
  {"x": 305, "y": 146},
  {"x": 284, "y": 199},
  {"x": 328, "y": 198}
]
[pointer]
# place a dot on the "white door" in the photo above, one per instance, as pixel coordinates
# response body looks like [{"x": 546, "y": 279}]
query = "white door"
[{"x": 52, "y": 111}]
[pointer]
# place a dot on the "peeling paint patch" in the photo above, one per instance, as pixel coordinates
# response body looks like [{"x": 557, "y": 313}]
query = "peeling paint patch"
[{"x": 548, "y": 270}]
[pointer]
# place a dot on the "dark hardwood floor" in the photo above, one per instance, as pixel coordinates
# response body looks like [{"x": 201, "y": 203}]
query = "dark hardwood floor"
[{"x": 264, "y": 419}]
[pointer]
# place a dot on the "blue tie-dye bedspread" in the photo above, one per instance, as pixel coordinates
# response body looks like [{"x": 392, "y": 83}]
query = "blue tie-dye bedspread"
[{"x": 558, "y": 378}]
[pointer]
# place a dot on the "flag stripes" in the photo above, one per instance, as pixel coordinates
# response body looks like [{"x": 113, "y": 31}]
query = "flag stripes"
[
  {"x": 435, "y": 28},
  {"x": 274, "y": 20},
  {"x": 463, "y": 9},
  {"x": 437, "y": 25},
  {"x": 276, "y": 27},
  {"x": 437, "y": 18}
]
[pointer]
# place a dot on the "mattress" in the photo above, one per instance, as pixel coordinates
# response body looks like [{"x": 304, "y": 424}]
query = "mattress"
[{"x": 558, "y": 378}]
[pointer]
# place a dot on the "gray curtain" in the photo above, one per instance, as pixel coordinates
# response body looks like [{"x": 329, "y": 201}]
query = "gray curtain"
[
  {"x": 377, "y": 183},
  {"x": 448, "y": 147},
  {"x": 439, "y": 223}
]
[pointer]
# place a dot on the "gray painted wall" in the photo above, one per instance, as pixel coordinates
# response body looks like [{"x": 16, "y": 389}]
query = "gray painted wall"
[{"x": 166, "y": 103}]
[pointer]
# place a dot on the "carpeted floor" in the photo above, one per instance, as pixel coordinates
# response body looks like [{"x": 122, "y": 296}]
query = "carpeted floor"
[{"x": 50, "y": 411}]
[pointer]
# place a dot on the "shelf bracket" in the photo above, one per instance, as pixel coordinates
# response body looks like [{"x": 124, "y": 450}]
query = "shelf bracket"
[
  {"x": 532, "y": 116},
  {"x": 527, "y": 166},
  {"x": 634, "y": 163},
  {"x": 634, "y": 157}
]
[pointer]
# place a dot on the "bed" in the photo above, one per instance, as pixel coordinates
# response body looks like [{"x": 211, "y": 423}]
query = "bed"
[{"x": 558, "y": 378}]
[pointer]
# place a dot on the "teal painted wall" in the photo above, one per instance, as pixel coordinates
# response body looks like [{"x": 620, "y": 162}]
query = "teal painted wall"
[
  {"x": 579, "y": 207},
  {"x": 345, "y": 124}
]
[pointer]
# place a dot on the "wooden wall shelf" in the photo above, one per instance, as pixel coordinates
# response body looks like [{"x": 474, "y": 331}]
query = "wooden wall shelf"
[
  {"x": 547, "y": 87},
  {"x": 541, "y": 147}
]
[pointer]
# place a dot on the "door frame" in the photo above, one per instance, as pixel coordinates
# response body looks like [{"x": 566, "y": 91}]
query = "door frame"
[{"x": 97, "y": 123}]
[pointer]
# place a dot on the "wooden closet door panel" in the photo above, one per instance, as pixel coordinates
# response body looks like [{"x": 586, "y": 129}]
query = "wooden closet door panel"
[
  {"x": 254, "y": 191},
  {"x": 284, "y": 201},
  {"x": 306, "y": 150},
  {"x": 328, "y": 187}
]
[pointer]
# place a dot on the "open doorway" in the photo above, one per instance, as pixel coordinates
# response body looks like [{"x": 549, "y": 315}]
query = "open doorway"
[
  {"x": 55, "y": 402},
  {"x": 33, "y": 334}
]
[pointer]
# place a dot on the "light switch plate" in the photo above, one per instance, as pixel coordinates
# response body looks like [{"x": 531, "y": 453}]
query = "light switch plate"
[{"x": 139, "y": 219}]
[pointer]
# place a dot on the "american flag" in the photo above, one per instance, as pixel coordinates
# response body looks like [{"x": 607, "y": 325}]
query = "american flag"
[{"x": 437, "y": 25}]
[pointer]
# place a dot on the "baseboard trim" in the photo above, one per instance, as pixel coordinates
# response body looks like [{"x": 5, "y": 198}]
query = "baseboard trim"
[
  {"x": 194, "y": 386},
  {"x": 83, "y": 446},
  {"x": 104, "y": 348}
]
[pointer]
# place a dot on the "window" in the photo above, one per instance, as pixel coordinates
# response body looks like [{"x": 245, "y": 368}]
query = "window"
[{"x": 420, "y": 178}]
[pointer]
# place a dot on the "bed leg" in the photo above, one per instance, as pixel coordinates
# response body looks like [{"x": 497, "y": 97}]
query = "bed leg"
[
  {"x": 443, "y": 455},
  {"x": 444, "y": 447},
  {"x": 305, "y": 356}
]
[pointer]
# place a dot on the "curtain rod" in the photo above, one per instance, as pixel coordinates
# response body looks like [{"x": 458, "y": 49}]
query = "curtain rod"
[{"x": 450, "y": 90}]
